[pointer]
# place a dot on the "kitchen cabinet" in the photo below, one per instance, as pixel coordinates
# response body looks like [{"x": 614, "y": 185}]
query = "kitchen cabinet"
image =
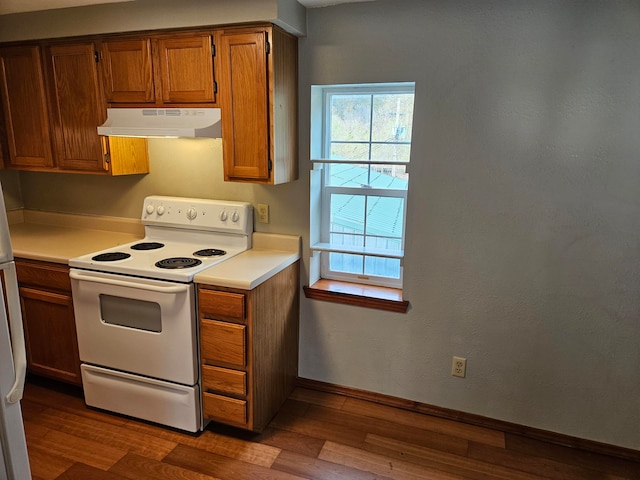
[
  {"x": 257, "y": 72},
  {"x": 49, "y": 324},
  {"x": 78, "y": 107},
  {"x": 52, "y": 105},
  {"x": 127, "y": 71},
  {"x": 249, "y": 349},
  {"x": 24, "y": 106},
  {"x": 164, "y": 70}
]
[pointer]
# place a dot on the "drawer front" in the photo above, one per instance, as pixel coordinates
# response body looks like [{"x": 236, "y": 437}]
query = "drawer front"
[
  {"x": 224, "y": 409},
  {"x": 223, "y": 342},
  {"x": 44, "y": 275},
  {"x": 224, "y": 380},
  {"x": 221, "y": 305}
]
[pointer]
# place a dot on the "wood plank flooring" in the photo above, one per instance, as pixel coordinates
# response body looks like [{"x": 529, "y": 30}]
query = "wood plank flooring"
[{"x": 315, "y": 436}]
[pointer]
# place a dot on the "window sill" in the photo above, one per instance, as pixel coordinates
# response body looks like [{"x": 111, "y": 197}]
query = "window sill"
[{"x": 369, "y": 296}]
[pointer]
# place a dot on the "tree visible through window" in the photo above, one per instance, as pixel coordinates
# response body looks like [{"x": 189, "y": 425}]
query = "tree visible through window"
[{"x": 361, "y": 141}]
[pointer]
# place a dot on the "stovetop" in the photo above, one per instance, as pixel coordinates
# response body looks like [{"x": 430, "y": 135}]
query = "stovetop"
[{"x": 183, "y": 237}]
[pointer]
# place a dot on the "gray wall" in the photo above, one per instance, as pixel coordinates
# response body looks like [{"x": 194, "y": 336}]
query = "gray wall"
[
  {"x": 524, "y": 208},
  {"x": 523, "y": 250}
]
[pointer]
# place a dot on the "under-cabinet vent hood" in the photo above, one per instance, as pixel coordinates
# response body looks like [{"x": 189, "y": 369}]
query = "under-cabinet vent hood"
[{"x": 162, "y": 122}]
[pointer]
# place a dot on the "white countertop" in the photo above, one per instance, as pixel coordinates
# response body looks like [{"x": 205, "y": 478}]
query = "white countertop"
[
  {"x": 59, "y": 237},
  {"x": 271, "y": 253}
]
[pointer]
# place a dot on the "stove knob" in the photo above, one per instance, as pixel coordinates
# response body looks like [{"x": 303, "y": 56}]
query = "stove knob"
[
  {"x": 160, "y": 210},
  {"x": 223, "y": 216},
  {"x": 192, "y": 213},
  {"x": 235, "y": 217},
  {"x": 150, "y": 209}
]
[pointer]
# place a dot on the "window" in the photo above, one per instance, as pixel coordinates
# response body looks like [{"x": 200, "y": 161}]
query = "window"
[{"x": 360, "y": 148}]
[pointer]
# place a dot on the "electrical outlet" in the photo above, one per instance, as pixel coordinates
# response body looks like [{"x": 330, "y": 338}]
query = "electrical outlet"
[
  {"x": 459, "y": 367},
  {"x": 263, "y": 213}
]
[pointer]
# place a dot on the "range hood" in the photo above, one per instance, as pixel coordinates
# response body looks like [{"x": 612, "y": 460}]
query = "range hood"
[{"x": 162, "y": 122}]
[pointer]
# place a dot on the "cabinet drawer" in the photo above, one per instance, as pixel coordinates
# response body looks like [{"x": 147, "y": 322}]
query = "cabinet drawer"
[
  {"x": 224, "y": 409},
  {"x": 221, "y": 305},
  {"x": 43, "y": 275},
  {"x": 223, "y": 342},
  {"x": 224, "y": 380}
]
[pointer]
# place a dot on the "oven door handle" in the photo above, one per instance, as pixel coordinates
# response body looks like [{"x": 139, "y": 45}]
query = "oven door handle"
[{"x": 123, "y": 283}]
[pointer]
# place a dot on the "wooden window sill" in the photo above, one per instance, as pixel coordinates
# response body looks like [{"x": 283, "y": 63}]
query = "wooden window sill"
[{"x": 369, "y": 296}]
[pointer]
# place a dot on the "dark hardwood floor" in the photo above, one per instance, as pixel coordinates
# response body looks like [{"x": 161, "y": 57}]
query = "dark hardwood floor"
[{"x": 315, "y": 436}]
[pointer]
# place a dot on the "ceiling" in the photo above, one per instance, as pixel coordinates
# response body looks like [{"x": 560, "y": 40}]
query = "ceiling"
[{"x": 19, "y": 6}]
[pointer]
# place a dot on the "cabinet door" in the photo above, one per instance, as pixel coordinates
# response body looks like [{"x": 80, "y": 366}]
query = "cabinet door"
[
  {"x": 186, "y": 69},
  {"x": 242, "y": 70},
  {"x": 128, "y": 71},
  {"x": 78, "y": 106},
  {"x": 50, "y": 334},
  {"x": 25, "y": 108}
]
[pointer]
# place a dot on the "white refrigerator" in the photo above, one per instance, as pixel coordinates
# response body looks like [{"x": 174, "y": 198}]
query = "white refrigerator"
[{"x": 14, "y": 462}]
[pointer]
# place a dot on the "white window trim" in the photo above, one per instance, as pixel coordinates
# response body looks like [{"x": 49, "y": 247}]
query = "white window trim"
[{"x": 319, "y": 145}]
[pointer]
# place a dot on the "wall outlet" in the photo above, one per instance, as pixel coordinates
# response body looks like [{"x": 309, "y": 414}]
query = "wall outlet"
[
  {"x": 459, "y": 367},
  {"x": 263, "y": 213}
]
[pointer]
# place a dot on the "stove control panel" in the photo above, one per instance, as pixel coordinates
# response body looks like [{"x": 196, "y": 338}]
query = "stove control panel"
[{"x": 198, "y": 213}]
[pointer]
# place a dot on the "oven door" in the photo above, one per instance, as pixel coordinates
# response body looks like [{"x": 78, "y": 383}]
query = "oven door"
[{"x": 136, "y": 325}]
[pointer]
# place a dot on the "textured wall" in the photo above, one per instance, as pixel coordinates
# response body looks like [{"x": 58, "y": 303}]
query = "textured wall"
[{"x": 524, "y": 210}]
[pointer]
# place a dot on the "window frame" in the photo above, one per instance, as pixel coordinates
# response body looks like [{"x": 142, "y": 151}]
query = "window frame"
[{"x": 320, "y": 153}]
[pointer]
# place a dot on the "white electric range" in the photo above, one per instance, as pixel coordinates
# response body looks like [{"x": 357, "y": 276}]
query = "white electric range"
[{"x": 135, "y": 308}]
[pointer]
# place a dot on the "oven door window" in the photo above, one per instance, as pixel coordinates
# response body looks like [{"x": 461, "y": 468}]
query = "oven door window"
[{"x": 131, "y": 313}]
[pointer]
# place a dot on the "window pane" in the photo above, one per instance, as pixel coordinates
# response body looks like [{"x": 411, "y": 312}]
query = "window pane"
[
  {"x": 393, "y": 177},
  {"x": 347, "y": 240},
  {"x": 350, "y": 117},
  {"x": 390, "y": 152},
  {"x": 392, "y": 118},
  {"x": 385, "y": 216},
  {"x": 347, "y": 213},
  {"x": 349, "y": 151},
  {"x": 347, "y": 175},
  {"x": 364, "y": 265},
  {"x": 346, "y": 263},
  {"x": 384, "y": 243},
  {"x": 382, "y": 267}
]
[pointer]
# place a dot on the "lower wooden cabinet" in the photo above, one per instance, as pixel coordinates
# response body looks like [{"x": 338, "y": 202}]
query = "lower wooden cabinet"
[
  {"x": 249, "y": 349},
  {"x": 49, "y": 323}
]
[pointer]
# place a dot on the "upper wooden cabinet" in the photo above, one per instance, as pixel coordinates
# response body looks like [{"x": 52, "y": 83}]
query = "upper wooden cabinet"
[
  {"x": 161, "y": 70},
  {"x": 55, "y": 94},
  {"x": 24, "y": 105},
  {"x": 186, "y": 69},
  {"x": 257, "y": 72},
  {"x": 77, "y": 106},
  {"x": 52, "y": 105},
  {"x": 128, "y": 71}
]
